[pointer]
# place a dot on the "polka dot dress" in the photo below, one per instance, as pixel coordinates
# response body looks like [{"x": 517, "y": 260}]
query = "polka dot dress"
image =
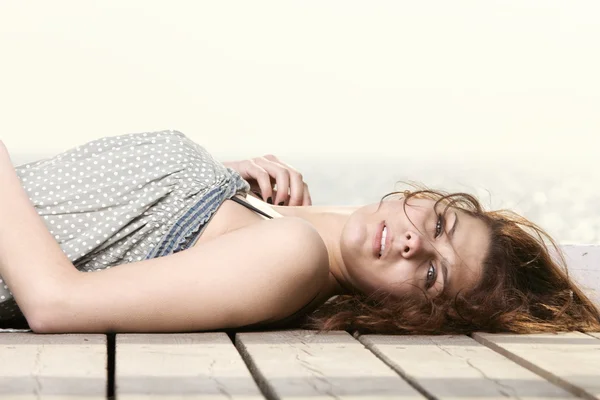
[{"x": 125, "y": 198}]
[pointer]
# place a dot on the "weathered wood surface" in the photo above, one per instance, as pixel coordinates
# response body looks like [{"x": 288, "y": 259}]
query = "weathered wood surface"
[
  {"x": 457, "y": 367},
  {"x": 583, "y": 263},
  {"x": 301, "y": 364},
  {"x": 571, "y": 360},
  {"x": 52, "y": 366},
  {"x": 191, "y": 366}
]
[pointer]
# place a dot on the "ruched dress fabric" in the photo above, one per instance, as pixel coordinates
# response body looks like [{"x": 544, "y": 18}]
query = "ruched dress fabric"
[{"x": 124, "y": 199}]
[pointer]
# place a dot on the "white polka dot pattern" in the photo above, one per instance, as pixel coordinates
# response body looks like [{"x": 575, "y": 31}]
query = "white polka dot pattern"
[{"x": 125, "y": 198}]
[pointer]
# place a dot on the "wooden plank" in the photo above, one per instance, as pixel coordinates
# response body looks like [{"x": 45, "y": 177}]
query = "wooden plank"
[
  {"x": 190, "y": 365},
  {"x": 457, "y": 367},
  {"x": 301, "y": 364},
  {"x": 583, "y": 263},
  {"x": 571, "y": 360},
  {"x": 52, "y": 366}
]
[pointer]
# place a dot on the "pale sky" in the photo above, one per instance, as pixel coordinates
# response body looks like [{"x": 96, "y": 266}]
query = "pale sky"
[{"x": 320, "y": 78}]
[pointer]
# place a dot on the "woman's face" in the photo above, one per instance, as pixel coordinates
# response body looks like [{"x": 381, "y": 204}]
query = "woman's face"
[{"x": 422, "y": 250}]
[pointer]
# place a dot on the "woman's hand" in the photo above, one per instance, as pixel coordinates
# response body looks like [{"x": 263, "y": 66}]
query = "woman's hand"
[{"x": 262, "y": 173}]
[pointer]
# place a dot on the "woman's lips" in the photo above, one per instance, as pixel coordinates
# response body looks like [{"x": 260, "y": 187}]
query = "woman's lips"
[{"x": 377, "y": 239}]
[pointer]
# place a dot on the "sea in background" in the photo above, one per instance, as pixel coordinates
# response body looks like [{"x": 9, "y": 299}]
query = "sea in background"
[{"x": 563, "y": 199}]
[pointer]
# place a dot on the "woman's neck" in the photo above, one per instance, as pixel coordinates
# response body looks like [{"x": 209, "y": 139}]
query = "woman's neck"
[{"x": 329, "y": 222}]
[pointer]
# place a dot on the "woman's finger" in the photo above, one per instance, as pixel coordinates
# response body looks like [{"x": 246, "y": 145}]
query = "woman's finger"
[
  {"x": 296, "y": 189},
  {"x": 297, "y": 185},
  {"x": 271, "y": 157},
  {"x": 307, "y": 200},
  {"x": 262, "y": 178},
  {"x": 281, "y": 177}
]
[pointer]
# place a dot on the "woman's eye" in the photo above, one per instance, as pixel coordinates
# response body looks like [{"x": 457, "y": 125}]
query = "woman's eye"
[
  {"x": 439, "y": 226},
  {"x": 431, "y": 275}
]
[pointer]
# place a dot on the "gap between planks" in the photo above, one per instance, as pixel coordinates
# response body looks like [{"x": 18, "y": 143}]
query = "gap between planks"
[
  {"x": 191, "y": 365},
  {"x": 305, "y": 364},
  {"x": 456, "y": 366},
  {"x": 554, "y": 357}
]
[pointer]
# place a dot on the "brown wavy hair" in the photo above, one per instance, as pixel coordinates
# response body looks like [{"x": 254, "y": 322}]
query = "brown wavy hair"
[{"x": 525, "y": 288}]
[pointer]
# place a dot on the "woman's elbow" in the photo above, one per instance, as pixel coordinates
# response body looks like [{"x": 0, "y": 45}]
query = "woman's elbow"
[
  {"x": 52, "y": 319},
  {"x": 44, "y": 317},
  {"x": 40, "y": 324},
  {"x": 49, "y": 310}
]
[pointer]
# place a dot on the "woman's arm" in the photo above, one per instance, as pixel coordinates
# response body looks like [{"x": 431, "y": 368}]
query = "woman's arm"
[
  {"x": 31, "y": 262},
  {"x": 264, "y": 271}
]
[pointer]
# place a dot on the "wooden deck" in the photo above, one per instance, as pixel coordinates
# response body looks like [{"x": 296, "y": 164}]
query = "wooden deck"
[{"x": 298, "y": 364}]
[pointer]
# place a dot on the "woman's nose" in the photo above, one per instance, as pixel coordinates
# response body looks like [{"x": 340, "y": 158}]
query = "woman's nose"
[{"x": 411, "y": 244}]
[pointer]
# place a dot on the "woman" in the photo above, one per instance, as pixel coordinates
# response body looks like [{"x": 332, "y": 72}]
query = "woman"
[{"x": 195, "y": 252}]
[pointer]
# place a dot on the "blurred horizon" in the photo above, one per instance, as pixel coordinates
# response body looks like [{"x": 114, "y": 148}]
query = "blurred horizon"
[{"x": 563, "y": 201}]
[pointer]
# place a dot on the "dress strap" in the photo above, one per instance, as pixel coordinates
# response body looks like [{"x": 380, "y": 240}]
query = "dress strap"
[{"x": 250, "y": 206}]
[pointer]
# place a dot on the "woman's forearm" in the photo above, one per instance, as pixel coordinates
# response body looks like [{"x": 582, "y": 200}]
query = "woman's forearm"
[{"x": 31, "y": 262}]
